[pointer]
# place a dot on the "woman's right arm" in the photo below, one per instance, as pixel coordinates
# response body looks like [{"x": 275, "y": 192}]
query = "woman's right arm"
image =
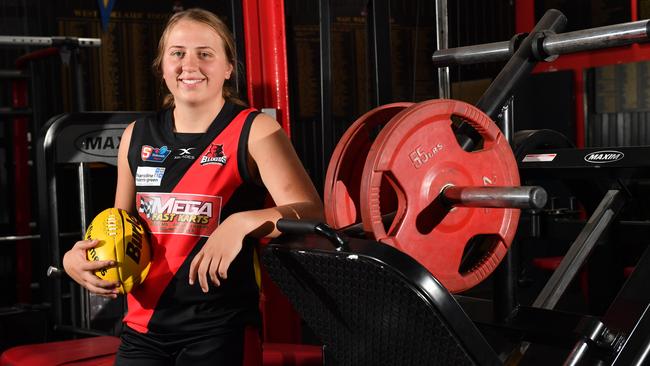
[
  {"x": 75, "y": 262},
  {"x": 125, "y": 191}
]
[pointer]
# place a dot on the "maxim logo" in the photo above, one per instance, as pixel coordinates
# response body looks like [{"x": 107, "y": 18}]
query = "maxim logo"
[
  {"x": 604, "y": 156},
  {"x": 100, "y": 142}
]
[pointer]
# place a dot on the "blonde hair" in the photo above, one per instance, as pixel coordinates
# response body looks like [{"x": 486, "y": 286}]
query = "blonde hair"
[{"x": 213, "y": 21}]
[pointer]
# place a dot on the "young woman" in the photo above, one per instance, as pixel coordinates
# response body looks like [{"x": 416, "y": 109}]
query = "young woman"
[{"x": 193, "y": 172}]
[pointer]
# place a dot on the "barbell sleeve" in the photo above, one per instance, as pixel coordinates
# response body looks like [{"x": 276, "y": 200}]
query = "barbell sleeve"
[
  {"x": 533, "y": 197},
  {"x": 552, "y": 45},
  {"x": 596, "y": 38},
  {"x": 49, "y": 41},
  {"x": 467, "y": 55}
]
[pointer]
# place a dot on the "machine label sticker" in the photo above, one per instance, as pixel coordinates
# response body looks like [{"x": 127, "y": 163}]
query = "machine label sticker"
[
  {"x": 179, "y": 213},
  {"x": 154, "y": 154},
  {"x": 149, "y": 176},
  {"x": 530, "y": 158},
  {"x": 185, "y": 153},
  {"x": 214, "y": 155},
  {"x": 604, "y": 156}
]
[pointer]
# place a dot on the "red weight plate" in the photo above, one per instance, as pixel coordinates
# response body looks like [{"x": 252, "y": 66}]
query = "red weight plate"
[
  {"x": 343, "y": 177},
  {"x": 418, "y": 155}
]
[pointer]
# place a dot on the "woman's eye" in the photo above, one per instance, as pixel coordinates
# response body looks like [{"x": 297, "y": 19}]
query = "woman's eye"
[{"x": 177, "y": 53}]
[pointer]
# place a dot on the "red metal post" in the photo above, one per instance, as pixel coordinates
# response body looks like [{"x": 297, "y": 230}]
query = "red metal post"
[
  {"x": 267, "y": 78},
  {"x": 22, "y": 209},
  {"x": 254, "y": 70},
  {"x": 22, "y": 181},
  {"x": 266, "y": 57},
  {"x": 524, "y": 16},
  {"x": 579, "y": 106}
]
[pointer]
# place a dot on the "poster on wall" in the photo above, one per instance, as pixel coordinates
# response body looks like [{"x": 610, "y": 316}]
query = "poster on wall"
[{"x": 118, "y": 74}]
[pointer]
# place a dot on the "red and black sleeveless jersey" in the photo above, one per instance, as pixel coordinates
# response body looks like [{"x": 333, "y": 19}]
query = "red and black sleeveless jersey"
[{"x": 186, "y": 184}]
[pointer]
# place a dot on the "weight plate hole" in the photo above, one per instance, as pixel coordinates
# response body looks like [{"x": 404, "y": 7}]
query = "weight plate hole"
[
  {"x": 392, "y": 204},
  {"x": 432, "y": 215},
  {"x": 477, "y": 249},
  {"x": 467, "y": 137}
]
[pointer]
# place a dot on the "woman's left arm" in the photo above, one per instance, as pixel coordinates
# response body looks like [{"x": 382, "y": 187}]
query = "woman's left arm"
[{"x": 283, "y": 175}]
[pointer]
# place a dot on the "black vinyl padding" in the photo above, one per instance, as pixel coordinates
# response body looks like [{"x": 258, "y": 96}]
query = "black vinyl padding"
[{"x": 374, "y": 305}]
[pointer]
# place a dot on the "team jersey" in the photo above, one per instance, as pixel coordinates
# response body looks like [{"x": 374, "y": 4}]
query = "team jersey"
[{"x": 186, "y": 184}]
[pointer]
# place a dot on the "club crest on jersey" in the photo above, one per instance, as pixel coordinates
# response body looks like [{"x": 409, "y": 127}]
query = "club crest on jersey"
[
  {"x": 179, "y": 213},
  {"x": 154, "y": 154},
  {"x": 214, "y": 155}
]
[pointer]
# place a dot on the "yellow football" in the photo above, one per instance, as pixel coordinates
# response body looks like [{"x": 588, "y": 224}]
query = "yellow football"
[{"x": 122, "y": 239}]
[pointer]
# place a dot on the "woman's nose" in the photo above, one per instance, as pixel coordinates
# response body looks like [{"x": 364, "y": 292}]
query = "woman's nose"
[{"x": 190, "y": 62}]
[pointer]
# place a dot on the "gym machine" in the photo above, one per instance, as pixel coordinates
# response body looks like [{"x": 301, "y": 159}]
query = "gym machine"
[
  {"x": 77, "y": 140},
  {"x": 28, "y": 116},
  {"x": 430, "y": 213}
]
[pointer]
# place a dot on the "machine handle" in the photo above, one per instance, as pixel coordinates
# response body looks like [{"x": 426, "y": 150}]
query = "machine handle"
[{"x": 288, "y": 226}]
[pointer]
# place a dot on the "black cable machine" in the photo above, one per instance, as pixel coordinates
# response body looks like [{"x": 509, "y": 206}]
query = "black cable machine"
[{"x": 76, "y": 140}]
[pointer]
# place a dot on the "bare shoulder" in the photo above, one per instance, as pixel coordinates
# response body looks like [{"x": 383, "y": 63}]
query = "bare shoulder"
[
  {"x": 262, "y": 127},
  {"x": 128, "y": 130}
]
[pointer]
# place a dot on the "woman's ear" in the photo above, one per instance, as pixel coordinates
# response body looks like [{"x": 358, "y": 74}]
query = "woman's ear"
[{"x": 229, "y": 71}]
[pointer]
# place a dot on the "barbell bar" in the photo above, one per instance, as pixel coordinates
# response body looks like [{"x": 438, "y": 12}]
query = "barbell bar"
[
  {"x": 549, "y": 45},
  {"x": 528, "y": 197}
]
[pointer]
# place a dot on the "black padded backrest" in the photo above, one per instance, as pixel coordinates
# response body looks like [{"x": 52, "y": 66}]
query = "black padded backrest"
[{"x": 374, "y": 305}]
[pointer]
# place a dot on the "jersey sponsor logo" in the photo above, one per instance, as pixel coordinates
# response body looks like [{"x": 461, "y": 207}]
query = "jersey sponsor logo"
[
  {"x": 185, "y": 153},
  {"x": 214, "y": 155},
  {"x": 154, "y": 154},
  {"x": 149, "y": 176},
  {"x": 179, "y": 213},
  {"x": 604, "y": 156}
]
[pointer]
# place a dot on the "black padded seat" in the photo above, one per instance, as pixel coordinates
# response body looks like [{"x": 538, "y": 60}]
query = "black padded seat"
[{"x": 374, "y": 305}]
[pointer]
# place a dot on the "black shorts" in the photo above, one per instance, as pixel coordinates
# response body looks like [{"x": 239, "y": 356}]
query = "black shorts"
[{"x": 138, "y": 349}]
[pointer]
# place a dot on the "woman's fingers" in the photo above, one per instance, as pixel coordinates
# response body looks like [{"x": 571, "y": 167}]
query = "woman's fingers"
[
  {"x": 98, "y": 286},
  {"x": 223, "y": 267},
  {"x": 214, "y": 267},
  {"x": 90, "y": 278},
  {"x": 86, "y": 244},
  {"x": 204, "y": 265},
  {"x": 97, "y": 265},
  {"x": 194, "y": 267},
  {"x": 106, "y": 292}
]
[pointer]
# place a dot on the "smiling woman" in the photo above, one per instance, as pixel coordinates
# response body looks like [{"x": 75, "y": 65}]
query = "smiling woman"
[
  {"x": 212, "y": 51},
  {"x": 195, "y": 65},
  {"x": 196, "y": 174}
]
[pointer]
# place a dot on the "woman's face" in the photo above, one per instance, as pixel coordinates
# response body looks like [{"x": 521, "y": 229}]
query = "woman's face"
[{"x": 195, "y": 65}]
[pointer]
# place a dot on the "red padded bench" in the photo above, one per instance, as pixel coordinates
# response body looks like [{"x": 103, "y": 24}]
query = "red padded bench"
[
  {"x": 100, "y": 351},
  {"x": 93, "y": 351}
]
